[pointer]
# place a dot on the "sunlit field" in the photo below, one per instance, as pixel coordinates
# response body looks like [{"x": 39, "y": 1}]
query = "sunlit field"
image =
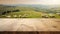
[{"x": 29, "y": 11}]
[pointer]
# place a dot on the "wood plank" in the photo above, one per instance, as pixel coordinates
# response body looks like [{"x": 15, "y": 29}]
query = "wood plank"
[{"x": 28, "y": 24}]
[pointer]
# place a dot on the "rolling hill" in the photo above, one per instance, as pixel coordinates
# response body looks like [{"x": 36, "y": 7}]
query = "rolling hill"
[{"x": 29, "y": 11}]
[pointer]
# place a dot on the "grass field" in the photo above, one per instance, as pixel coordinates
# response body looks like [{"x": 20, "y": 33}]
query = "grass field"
[{"x": 28, "y": 12}]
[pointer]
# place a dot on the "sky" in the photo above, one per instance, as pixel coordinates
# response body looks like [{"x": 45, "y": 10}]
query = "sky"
[{"x": 44, "y": 2}]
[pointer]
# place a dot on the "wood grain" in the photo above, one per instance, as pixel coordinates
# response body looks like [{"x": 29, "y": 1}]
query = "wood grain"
[
  {"x": 31, "y": 32},
  {"x": 29, "y": 24}
]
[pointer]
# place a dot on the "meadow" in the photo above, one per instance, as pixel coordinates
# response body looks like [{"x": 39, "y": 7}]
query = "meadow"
[{"x": 29, "y": 11}]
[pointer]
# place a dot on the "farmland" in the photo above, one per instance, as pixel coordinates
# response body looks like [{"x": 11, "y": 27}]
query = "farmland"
[{"x": 29, "y": 11}]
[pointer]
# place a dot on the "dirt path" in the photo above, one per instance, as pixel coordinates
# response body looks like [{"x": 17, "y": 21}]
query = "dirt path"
[{"x": 30, "y": 24}]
